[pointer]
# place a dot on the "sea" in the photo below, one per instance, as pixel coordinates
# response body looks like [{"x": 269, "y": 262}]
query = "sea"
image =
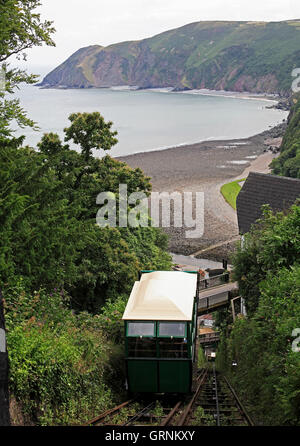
[{"x": 149, "y": 119}]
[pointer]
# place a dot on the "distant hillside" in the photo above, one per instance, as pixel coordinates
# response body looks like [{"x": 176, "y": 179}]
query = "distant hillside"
[{"x": 240, "y": 56}]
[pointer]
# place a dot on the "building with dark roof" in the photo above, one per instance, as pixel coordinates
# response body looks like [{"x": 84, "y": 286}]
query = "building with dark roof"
[{"x": 280, "y": 193}]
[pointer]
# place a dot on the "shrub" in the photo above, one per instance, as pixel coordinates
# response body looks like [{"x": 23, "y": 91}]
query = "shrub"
[
  {"x": 58, "y": 360},
  {"x": 268, "y": 372}
]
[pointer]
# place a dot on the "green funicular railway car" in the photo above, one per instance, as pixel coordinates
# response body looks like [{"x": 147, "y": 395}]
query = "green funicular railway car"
[{"x": 160, "y": 333}]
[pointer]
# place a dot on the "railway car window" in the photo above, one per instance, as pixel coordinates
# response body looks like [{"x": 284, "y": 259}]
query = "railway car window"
[
  {"x": 140, "y": 329},
  {"x": 173, "y": 348},
  {"x": 141, "y": 348},
  {"x": 176, "y": 329}
]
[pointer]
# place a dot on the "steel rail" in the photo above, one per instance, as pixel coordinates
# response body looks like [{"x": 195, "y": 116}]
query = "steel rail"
[
  {"x": 216, "y": 396},
  {"x": 108, "y": 412},
  {"x": 171, "y": 414},
  {"x": 239, "y": 404},
  {"x": 185, "y": 414},
  {"x": 139, "y": 414}
]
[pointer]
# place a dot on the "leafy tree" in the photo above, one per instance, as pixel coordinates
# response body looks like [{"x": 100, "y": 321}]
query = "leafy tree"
[
  {"x": 267, "y": 375},
  {"x": 54, "y": 241},
  {"x": 90, "y": 131},
  {"x": 21, "y": 28},
  {"x": 12, "y": 203},
  {"x": 37, "y": 225},
  {"x": 49, "y": 241},
  {"x": 288, "y": 162},
  {"x": 267, "y": 269},
  {"x": 272, "y": 244},
  {"x": 60, "y": 363},
  {"x": 126, "y": 249}
]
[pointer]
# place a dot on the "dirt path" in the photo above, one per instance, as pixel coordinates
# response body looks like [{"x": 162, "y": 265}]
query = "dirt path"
[
  {"x": 216, "y": 199},
  {"x": 217, "y": 245}
]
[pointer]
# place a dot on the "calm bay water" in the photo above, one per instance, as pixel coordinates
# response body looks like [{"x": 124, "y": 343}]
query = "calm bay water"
[{"x": 149, "y": 120}]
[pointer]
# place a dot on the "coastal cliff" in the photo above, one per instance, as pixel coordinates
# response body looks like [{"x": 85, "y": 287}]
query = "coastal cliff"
[{"x": 257, "y": 57}]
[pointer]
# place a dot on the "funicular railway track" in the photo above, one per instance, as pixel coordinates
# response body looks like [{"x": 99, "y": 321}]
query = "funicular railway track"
[
  {"x": 218, "y": 401},
  {"x": 214, "y": 395},
  {"x": 219, "y": 405},
  {"x": 134, "y": 413},
  {"x": 106, "y": 417}
]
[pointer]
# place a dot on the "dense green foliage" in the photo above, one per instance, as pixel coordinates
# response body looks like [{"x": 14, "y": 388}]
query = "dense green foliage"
[
  {"x": 288, "y": 162},
  {"x": 202, "y": 361},
  {"x": 270, "y": 246},
  {"x": 48, "y": 230},
  {"x": 21, "y": 28},
  {"x": 96, "y": 135},
  {"x": 62, "y": 366},
  {"x": 240, "y": 56},
  {"x": 65, "y": 280},
  {"x": 264, "y": 344}
]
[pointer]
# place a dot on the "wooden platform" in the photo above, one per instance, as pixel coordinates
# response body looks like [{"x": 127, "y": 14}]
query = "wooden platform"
[{"x": 215, "y": 297}]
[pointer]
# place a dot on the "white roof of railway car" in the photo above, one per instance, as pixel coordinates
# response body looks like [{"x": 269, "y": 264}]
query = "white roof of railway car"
[{"x": 162, "y": 295}]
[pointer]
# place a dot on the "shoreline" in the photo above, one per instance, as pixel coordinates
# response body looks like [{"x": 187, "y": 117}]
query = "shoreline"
[
  {"x": 234, "y": 94},
  {"x": 270, "y": 131},
  {"x": 272, "y": 97},
  {"x": 204, "y": 167},
  {"x": 267, "y": 135},
  {"x": 221, "y": 141}
]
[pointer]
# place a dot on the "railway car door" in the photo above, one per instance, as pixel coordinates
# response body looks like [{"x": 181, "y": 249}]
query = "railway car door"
[
  {"x": 174, "y": 366},
  {"x": 141, "y": 357}
]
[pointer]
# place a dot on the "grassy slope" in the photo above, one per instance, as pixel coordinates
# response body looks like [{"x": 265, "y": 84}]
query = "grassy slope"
[{"x": 230, "y": 192}]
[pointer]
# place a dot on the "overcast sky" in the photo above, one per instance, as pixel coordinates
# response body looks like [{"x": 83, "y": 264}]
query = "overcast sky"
[{"x": 81, "y": 23}]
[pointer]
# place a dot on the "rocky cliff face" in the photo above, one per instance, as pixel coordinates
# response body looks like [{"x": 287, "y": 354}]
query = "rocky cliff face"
[{"x": 240, "y": 56}]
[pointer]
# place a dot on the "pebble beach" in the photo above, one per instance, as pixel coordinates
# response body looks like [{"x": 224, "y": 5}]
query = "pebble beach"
[{"x": 205, "y": 167}]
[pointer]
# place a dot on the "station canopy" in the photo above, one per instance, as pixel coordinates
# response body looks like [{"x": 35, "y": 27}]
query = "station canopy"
[{"x": 162, "y": 295}]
